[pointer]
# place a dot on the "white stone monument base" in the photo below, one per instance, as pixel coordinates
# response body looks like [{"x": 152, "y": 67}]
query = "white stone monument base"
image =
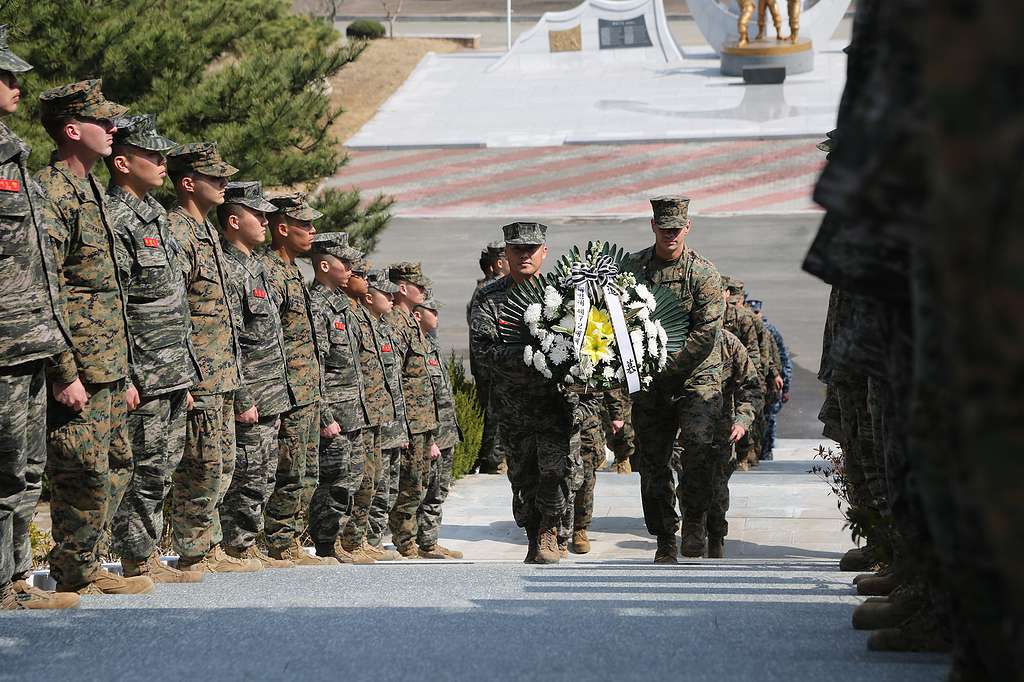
[{"x": 796, "y": 57}]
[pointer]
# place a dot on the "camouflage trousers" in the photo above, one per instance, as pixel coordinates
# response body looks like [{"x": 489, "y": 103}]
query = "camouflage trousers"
[
  {"x": 89, "y": 464},
  {"x": 354, "y": 532},
  {"x": 865, "y": 469},
  {"x": 412, "y": 489},
  {"x": 716, "y": 524},
  {"x": 241, "y": 512},
  {"x": 342, "y": 463},
  {"x": 749, "y": 448},
  {"x": 544, "y": 464},
  {"x": 157, "y": 433},
  {"x": 385, "y": 496},
  {"x": 593, "y": 454},
  {"x": 203, "y": 476},
  {"x": 298, "y": 467},
  {"x": 692, "y": 417},
  {"x": 22, "y": 458},
  {"x": 492, "y": 450},
  {"x": 771, "y": 420},
  {"x": 439, "y": 482}
]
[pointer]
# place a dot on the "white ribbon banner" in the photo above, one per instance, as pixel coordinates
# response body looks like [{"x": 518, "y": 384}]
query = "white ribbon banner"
[
  {"x": 622, "y": 340},
  {"x": 581, "y": 314}
]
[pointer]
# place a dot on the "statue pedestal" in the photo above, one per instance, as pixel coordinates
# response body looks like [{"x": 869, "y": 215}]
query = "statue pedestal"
[{"x": 797, "y": 57}]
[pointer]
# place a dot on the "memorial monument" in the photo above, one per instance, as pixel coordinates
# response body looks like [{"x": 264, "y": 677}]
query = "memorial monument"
[{"x": 793, "y": 53}]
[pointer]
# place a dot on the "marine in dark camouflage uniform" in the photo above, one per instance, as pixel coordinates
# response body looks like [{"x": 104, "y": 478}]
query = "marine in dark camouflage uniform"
[
  {"x": 32, "y": 330},
  {"x": 201, "y": 480},
  {"x": 491, "y": 457},
  {"x": 687, "y": 398},
  {"x": 541, "y": 431},
  {"x": 420, "y": 404},
  {"x": 89, "y": 460},
  {"x": 446, "y": 437},
  {"x": 298, "y": 466},
  {"x": 263, "y": 395},
  {"x": 164, "y": 364},
  {"x": 343, "y": 410}
]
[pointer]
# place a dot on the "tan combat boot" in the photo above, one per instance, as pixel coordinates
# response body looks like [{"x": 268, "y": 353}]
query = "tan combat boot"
[
  {"x": 531, "y": 546},
  {"x": 105, "y": 582},
  {"x": 380, "y": 553},
  {"x": 8, "y": 601},
  {"x": 548, "y": 551},
  {"x": 855, "y": 560},
  {"x": 580, "y": 541},
  {"x": 622, "y": 467},
  {"x": 158, "y": 571},
  {"x": 450, "y": 553},
  {"x": 297, "y": 554},
  {"x": 410, "y": 551},
  {"x": 28, "y": 597},
  {"x": 716, "y": 548},
  {"x": 922, "y": 632},
  {"x": 254, "y": 552},
  {"x": 431, "y": 553},
  {"x": 877, "y": 585},
  {"x": 694, "y": 537},
  {"x": 359, "y": 554},
  {"x": 345, "y": 557},
  {"x": 218, "y": 561},
  {"x": 667, "y": 549}
]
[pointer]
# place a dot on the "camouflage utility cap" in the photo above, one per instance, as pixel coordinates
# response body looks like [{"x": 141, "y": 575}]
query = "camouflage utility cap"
[
  {"x": 496, "y": 249},
  {"x": 8, "y": 60},
  {"x": 525, "y": 234},
  {"x": 248, "y": 194},
  {"x": 83, "y": 99},
  {"x": 733, "y": 285},
  {"x": 755, "y": 304},
  {"x": 671, "y": 213},
  {"x": 431, "y": 304},
  {"x": 408, "y": 272},
  {"x": 378, "y": 279},
  {"x": 828, "y": 145},
  {"x": 294, "y": 205},
  {"x": 199, "y": 157},
  {"x": 140, "y": 131},
  {"x": 335, "y": 244},
  {"x": 360, "y": 266}
]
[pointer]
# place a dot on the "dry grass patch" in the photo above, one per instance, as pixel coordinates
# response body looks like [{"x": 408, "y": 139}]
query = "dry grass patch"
[{"x": 362, "y": 86}]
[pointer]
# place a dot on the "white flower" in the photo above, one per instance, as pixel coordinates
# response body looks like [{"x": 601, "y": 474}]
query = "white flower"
[
  {"x": 637, "y": 338},
  {"x": 644, "y": 314},
  {"x": 642, "y": 291},
  {"x": 646, "y": 380},
  {"x": 609, "y": 372},
  {"x": 532, "y": 314},
  {"x": 552, "y": 302},
  {"x": 546, "y": 341},
  {"x": 662, "y": 334},
  {"x": 620, "y": 374},
  {"x": 568, "y": 379},
  {"x": 650, "y": 330},
  {"x": 568, "y": 323},
  {"x": 540, "y": 363},
  {"x": 528, "y": 355},
  {"x": 559, "y": 352}
]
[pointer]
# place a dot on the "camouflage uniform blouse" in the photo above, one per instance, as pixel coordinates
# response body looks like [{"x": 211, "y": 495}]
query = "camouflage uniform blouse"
[
  {"x": 31, "y": 323},
  {"x": 393, "y": 434},
  {"x": 380, "y": 407},
  {"x": 337, "y": 330},
  {"x": 448, "y": 433},
  {"x": 697, "y": 284},
  {"x": 160, "y": 326},
  {"x": 413, "y": 349},
  {"x": 92, "y": 298},
  {"x": 260, "y": 340},
  {"x": 738, "y": 320},
  {"x": 742, "y": 395},
  {"x": 292, "y": 300},
  {"x": 213, "y": 323}
]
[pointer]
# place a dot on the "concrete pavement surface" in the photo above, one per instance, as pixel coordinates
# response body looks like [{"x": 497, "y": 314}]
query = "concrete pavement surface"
[{"x": 764, "y": 251}]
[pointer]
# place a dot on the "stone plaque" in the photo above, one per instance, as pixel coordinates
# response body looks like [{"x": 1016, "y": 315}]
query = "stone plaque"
[
  {"x": 569, "y": 40},
  {"x": 620, "y": 33}
]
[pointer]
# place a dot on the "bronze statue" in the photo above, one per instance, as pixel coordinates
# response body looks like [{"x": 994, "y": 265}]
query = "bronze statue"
[{"x": 764, "y": 7}]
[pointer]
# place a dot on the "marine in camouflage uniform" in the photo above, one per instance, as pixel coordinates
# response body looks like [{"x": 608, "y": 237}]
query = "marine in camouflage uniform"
[
  {"x": 491, "y": 457},
  {"x": 781, "y": 356},
  {"x": 342, "y": 456},
  {"x": 243, "y": 221},
  {"x": 420, "y": 404},
  {"x": 619, "y": 408},
  {"x": 446, "y": 437},
  {"x": 394, "y": 435},
  {"x": 205, "y": 471},
  {"x": 89, "y": 460},
  {"x": 164, "y": 364},
  {"x": 742, "y": 322},
  {"x": 291, "y": 227},
  {"x": 32, "y": 330},
  {"x": 541, "y": 428},
  {"x": 380, "y": 410},
  {"x": 687, "y": 397},
  {"x": 741, "y": 401}
]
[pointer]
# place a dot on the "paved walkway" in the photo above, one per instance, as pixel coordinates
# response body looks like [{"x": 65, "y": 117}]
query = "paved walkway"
[
  {"x": 730, "y": 177},
  {"x": 775, "y": 610}
]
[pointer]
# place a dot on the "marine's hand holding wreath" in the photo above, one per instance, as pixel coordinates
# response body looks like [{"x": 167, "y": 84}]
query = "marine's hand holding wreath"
[{"x": 591, "y": 325}]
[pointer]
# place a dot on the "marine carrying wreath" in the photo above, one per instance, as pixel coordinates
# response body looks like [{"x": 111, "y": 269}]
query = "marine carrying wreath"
[{"x": 589, "y": 324}]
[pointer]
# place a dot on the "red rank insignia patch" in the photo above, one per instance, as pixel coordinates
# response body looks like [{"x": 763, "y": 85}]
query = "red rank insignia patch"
[
  {"x": 433, "y": 363},
  {"x": 386, "y": 348},
  {"x": 151, "y": 242},
  {"x": 10, "y": 185},
  {"x": 259, "y": 293},
  {"x": 339, "y": 326}
]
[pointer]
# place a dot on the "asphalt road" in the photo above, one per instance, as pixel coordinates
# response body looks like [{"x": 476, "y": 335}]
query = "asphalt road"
[
  {"x": 757, "y": 620},
  {"x": 764, "y": 251}
]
